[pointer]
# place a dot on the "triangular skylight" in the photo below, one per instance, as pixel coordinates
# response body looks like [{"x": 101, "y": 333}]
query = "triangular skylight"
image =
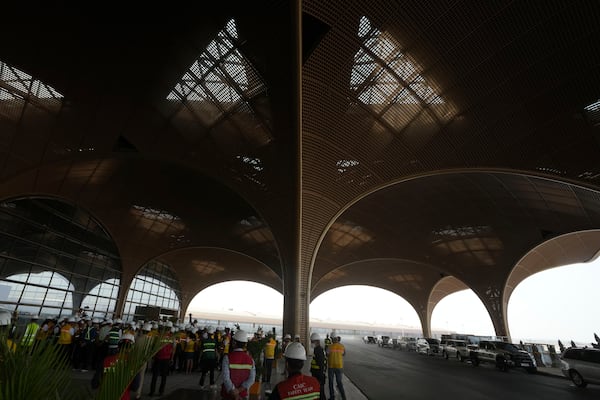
[
  {"x": 383, "y": 75},
  {"x": 18, "y": 87},
  {"x": 219, "y": 80}
]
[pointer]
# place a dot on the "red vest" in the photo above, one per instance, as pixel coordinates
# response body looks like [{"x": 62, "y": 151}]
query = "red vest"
[
  {"x": 165, "y": 352},
  {"x": 299, "y": 387},
  {"x": 240, "y": 364}
]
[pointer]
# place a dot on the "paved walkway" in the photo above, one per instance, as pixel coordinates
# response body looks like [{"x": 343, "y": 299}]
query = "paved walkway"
[{"x": 180, "y": 386}]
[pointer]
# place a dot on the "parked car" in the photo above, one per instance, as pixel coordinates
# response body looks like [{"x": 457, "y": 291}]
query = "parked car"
[
  {"x": 581, "y": 365},
  {"x": 384, "y": 341},
  {"x": 429, "y": 346},
  {"x": 504, "y": 355},
  {"x": 369, "y": 339},
  {"x": 454, "y": 348},
  {"x": 407, "y": 343}
]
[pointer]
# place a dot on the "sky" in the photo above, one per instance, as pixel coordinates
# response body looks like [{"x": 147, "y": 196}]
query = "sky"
[{"x": 560, "y": 303}]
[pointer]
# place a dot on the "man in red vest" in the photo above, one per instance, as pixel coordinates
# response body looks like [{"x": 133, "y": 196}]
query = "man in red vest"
[
  {"x": 238, "y": 369},
  {"x": 297, "y": 385}
]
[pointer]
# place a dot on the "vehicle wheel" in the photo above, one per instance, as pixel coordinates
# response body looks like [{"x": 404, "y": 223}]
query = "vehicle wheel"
[
  {"x": 459, "y": 356},
  {"x": 501, "y": 364},
  {"x": 445, "y": 355},
  {"x": 577, "y": 379}
]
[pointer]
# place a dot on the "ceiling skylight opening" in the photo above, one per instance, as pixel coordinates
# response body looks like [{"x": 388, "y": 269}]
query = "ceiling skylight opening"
[
  {"x": 383, "y": 76},
  {"x": 154, "y": 214},
  {"x": 348, "y": 235},
  {"x": 253, "y": 162},
  {"x": 23, "y": 84},
  {"x": 592, "y": 112},
  {"x": 219, "y": 79},
  {"x": 345, "y": 165}
]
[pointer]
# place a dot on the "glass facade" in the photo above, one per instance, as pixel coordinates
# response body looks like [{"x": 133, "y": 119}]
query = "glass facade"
[
  {"x": 54, "y": 259},
  {"x": 154, "y": 290}
]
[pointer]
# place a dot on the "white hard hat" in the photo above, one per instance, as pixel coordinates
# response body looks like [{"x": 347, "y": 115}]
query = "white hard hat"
[
  {"x": 128, "y": 336},
  {"x": 315, "y": 336},
  {"x": 219, "y": 328},
  {"x": 194, "y": 330},
  {"x": 297, "y": 336},
  {"x": 147, "y": 327},
  {"x": 71, "y": 319},
  {"x": 4, "y": 317},
  {"x": 154, "y": 325},
  {"x": 109, "y": 321},
  {"x": 169, "y": 324},
  {"x": 96, "y": 321},
  {"x": 240, "y": 336},
  {"x": 288, "y": 336},
  {"x": 210, "y": 330},
  {"x": 160, "y": 323},
  {"x": 296, "y": 351},
  {"x": 35, "y": 316},
  {"x": 188, "y": 327},
  {"x": 118, "y": 321}
]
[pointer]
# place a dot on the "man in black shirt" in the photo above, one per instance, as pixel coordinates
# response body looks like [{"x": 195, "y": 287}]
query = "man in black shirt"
[{"x": 318, "y": 363}]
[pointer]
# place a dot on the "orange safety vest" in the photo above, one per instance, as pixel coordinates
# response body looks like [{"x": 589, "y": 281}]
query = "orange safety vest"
[
  {"x": 299, "y": 387},
  {"x": 65, "y": 335}
]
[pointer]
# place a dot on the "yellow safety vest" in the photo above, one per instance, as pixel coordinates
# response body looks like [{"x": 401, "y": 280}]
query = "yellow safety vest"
[
  {"x": 30, "y": 333},
  {"x": 65, "y": 335},
  {"x": 335, "y": 358},
  {"x": 270, "y": 349}
]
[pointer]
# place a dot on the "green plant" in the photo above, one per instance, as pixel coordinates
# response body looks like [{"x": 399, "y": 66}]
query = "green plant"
[
  {"x": 42, "y": 372},
  {"x": 256, "y": 348}
]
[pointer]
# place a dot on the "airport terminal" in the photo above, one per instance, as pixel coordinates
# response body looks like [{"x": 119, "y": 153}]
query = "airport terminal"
[{"x": 422, "y": 147}]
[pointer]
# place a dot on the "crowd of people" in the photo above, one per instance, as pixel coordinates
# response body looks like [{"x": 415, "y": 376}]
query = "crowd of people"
[{"x": 96, "y": 344}]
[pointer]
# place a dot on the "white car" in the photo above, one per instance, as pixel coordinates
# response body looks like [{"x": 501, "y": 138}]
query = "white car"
[
  {"x": 454, "y": 348},
  {"x": 581, "y": 365},
  {"x": 428, "y": 346}
]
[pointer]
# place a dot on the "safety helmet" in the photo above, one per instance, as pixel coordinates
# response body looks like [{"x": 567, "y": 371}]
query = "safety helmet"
[
  {"x": 96, "y": 321},
  {"x": 211, "y": 330},
  {"x": 296, "y": 336},
  {"x": 71, "y": 319},
  {"x": 194, "y": 330},
  {"x": 169, "y": 324},
  {"x": 315, "y": 336},
  {"x": 128, "y": 336},
  {"x": 219, "y": 328},
  {"x": 287, "y": 336},
  {"x": 154, "y": 325},
  {"x": 35, "y": 316},
  {"x": 147, "y": 327},
  {"x": 5, "y": 317},
  {"x": 296, "y": 351},
  {"x": 241, "y": 336},
  {"x": 160, "y": 323},
  {"x": 118, "y": 321},
  {"x": 188, "y": 327},
  {"x": 109, "y": 321}
]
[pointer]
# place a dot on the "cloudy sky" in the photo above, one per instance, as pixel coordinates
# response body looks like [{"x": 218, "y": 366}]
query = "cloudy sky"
[{"x": 561, "y": 303}]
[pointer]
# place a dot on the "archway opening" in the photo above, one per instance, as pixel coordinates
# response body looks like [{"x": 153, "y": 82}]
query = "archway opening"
[
  {"x": 557, "y": 304},
  {"x": 249, "y": 304},
  {"x": 462, "y": 312},
  {"x": 362, "y": 310}
]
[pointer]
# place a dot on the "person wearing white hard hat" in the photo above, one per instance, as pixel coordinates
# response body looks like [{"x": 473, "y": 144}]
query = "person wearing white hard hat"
[
  {"x": 5, "y": 322},
  {"x": 65, "y": 338},
  {"x": 297, "y": 385},
  {"x": 287, "y": 339},
  {"x": 208, "y": 356},
  {"x": 87, "y": 341},
  {"x": 318, "y": 364},
  {"x": 30, "y": 332},
  {"x": 297, "y": 338},
  {"x": 335, "y": 365},
  {"x": 238, "y": 369}
]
